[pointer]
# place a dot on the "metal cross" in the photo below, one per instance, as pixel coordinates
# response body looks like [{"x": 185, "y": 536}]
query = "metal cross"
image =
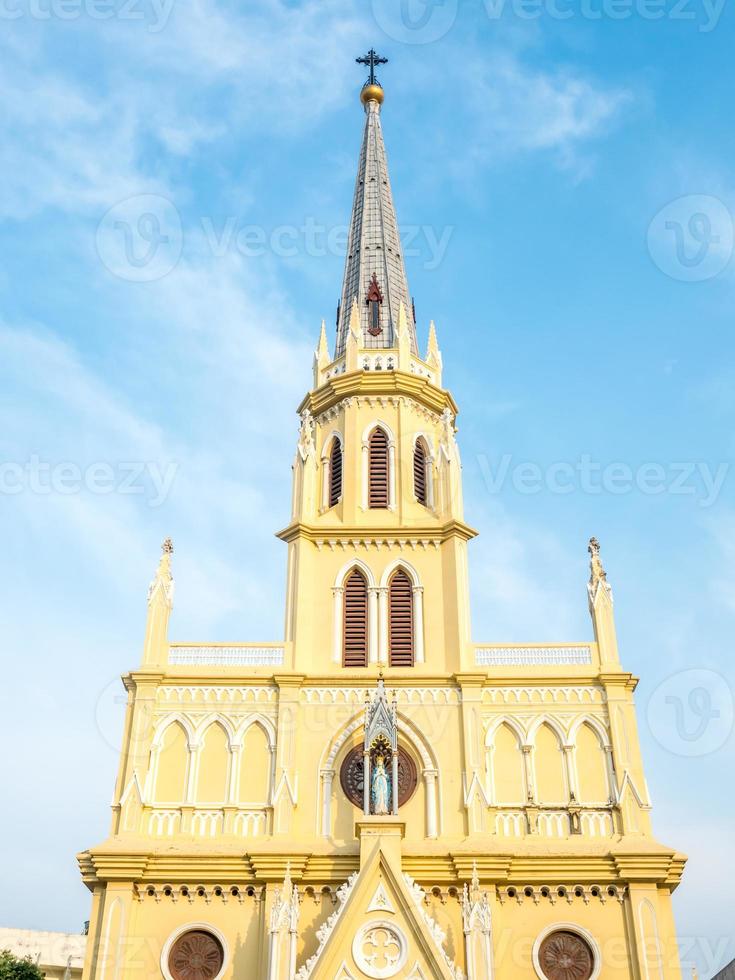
[{"x": 372, "y": 59}]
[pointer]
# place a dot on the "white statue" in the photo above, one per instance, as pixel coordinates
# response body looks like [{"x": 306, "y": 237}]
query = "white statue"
[{"x": 380, "y": 788}]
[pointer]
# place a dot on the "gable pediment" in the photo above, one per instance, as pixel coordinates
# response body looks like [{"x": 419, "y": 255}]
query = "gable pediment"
[{"x": 380, "y": 931}]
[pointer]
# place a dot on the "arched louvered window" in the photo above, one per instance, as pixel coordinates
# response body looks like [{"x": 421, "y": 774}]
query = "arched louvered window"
[
  {"x": 355, "y": 640},
  {"x": 378, "y": 468},
  {"x": 335, "y": 473},
  {"x": 400, "y": 626},
  {"x": 420, "y": 457}
]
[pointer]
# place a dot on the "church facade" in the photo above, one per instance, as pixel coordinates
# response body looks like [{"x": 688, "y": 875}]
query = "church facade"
[{"x": 379, "y": 795}]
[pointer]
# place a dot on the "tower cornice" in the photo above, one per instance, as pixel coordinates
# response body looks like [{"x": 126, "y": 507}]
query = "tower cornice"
[
  {"x": 401, "y": 536},
  {"x": 374, "y": 384}
]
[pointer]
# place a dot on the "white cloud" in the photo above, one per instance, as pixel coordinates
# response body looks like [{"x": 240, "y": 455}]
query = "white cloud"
[{"x": 514, "y": 108}]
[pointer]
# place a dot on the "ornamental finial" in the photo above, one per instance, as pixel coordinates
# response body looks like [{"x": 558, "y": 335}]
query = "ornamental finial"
[
  {"x": 167, "y": 548},
  {"x": 372, "y": 90},
  {"x": 597, "y": 572}
]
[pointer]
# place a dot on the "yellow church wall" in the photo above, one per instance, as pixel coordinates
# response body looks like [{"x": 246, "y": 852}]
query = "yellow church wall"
[
  {"x": 526, "y": 747},
  {"x": 517, "y": 927},
  {"x": 149, "y": 923}
]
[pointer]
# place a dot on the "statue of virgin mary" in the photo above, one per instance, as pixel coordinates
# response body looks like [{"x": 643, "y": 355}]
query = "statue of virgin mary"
[{"x": 380, "y": 788}]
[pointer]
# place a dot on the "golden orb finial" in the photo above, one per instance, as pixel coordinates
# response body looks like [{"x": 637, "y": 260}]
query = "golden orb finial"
[{"x": 372, "y": 92}]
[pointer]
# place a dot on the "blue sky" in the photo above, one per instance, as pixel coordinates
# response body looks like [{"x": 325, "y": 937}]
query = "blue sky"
[{"x": 567, "y": 183}]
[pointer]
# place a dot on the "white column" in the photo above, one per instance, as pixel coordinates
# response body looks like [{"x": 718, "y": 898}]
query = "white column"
[
  {"x": 365, "y": 461},
  {"x": 373, "y": 627},
  {"x": 611, "y": 781},
  {"x": 383, "y": 625},
  {"x": 366, "y": 783},
  {"x": 418, "y": 623},
  {"x": 233, "y": 789},
  {"x": 568, "y": 751},
  {"x": 391, "y": 476},
  {"x": 528, "y": 773},
  {"x": 273, "y": 959},
  {"x": 429, "y": 466},
  {"x": 293, "y": 938},
  {"x": 193, "y": 775},
  {"x": 325, "y": 482},
  {"x": 431, "y": 803},
  {"x": 338, "y": 592},
  {"x": 327, "y": 777},
  {"x": 394, "y": 781},
  {"x": 469, "y": 958}
]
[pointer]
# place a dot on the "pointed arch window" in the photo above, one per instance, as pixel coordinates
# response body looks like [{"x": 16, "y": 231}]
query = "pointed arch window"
[
  {"x": 400, "y": 620},
  {"x": 378, "y": 469},
  {"x": 355, "y": 626},
  {"x": 420, "y": 466},
  {"x": 335, "y": 473}
]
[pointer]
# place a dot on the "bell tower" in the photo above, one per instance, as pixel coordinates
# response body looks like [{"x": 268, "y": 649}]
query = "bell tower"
[{"x": 377, "y": 542}]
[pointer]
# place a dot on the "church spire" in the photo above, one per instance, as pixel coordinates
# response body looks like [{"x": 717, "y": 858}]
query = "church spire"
[{"x": 375, "y": 277}]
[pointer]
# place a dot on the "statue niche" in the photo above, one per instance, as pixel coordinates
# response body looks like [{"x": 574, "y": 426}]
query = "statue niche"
[{"x": 380, "y": 755}]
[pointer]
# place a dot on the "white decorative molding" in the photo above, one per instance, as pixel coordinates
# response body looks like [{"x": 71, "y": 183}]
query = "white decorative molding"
[
  {"x": 205, "y": 821},
  {"x": 596, "y": 823},
  {"x": 437, "y": 933},
  {"x": 559, "y": 695},
  {"x": 235, "y": 656},
  {"x": 510, "y": 823},
  {"x": 356, "y": 695},
  {"x": 561, "y": 893},
  {"x": 380, "y": 949},
  {"x": 553, "y": 823},
  {"x": 380, "y": 902},
  {"x": 532, "y": 656},
  {"x": 202, "y": 694},
  {"x": 327, "y": 928},
  {"x": 407, "y": 542}
]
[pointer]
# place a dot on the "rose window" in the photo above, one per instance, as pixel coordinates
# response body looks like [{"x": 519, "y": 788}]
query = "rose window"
[
  {"x": 197, "y": 955},
  {"x": 566, "y": 956}
]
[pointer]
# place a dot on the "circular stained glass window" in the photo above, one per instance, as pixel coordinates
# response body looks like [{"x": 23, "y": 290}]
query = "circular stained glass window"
[
  {"x": 565, "y": 955},
  {"x": 196, "y": 955}
]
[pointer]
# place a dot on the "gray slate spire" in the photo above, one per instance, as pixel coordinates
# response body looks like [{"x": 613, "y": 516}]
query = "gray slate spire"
[{"x": 374, "y": 246}]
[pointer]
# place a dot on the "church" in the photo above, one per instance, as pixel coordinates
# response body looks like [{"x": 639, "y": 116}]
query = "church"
[{"x": 379, "y": 795}]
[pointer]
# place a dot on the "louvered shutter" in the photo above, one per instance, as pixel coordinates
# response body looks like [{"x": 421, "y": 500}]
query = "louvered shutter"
[
  {"x": 401, "y": 620},
  {"x": 419, "y": 472},
  {"x": 355, "y": 621},
  {"x": 335, "y": 473},
  {"x": 378, "y": 469}
]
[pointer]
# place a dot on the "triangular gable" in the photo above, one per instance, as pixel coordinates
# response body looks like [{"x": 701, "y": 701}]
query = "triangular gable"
[{"x": 360, "y": 942}]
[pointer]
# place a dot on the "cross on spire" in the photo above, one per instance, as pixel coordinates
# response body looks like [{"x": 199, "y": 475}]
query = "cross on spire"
[{"x": 371, "y": 59}]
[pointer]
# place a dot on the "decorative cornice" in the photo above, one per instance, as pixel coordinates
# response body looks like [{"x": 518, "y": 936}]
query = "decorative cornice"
[
  {"x": 359, "y": 536},
  {"x": 647, "y": 863},
  {"x": 376, "y": 383}
]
